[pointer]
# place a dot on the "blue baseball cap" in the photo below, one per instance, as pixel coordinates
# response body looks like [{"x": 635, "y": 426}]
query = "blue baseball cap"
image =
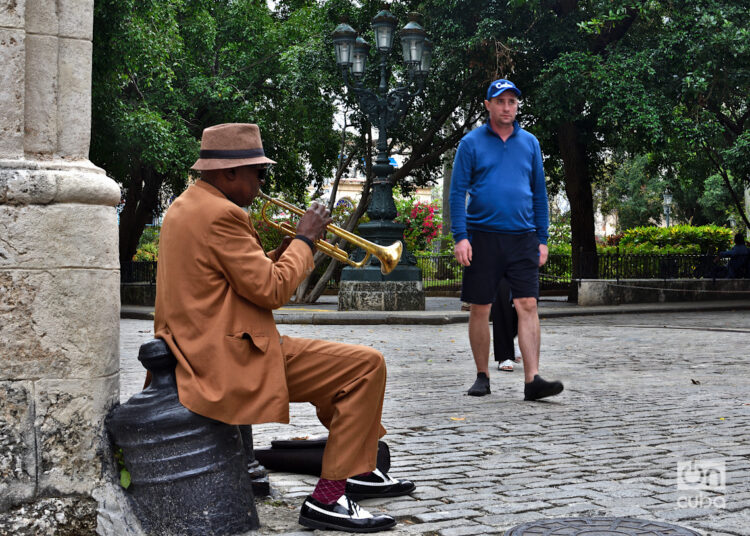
[{"x": 498, "y": 86}]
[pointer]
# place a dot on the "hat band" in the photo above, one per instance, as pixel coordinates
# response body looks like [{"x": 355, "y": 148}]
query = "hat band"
[{"x": 231, "y": 153}]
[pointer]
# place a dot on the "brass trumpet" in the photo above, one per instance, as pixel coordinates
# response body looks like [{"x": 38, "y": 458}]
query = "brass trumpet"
[{"x": 388, "y": 256}]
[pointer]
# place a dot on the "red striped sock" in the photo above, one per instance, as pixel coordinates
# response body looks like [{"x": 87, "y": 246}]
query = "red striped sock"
[{"x": 329, "y": 491}]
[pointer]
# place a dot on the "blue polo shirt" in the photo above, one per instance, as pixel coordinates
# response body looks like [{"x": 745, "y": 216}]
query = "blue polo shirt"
[{"x": 505, "y": 183}]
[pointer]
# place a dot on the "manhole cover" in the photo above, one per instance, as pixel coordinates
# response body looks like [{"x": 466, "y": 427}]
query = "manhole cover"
[{"x": 599, "y": 526}]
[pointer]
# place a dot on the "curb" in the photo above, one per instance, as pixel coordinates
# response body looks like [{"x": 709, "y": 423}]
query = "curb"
[{"x": 462, "y": 317}]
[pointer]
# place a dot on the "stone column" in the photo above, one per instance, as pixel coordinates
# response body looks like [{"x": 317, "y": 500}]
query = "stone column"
[{"x": 59, "y": 272}]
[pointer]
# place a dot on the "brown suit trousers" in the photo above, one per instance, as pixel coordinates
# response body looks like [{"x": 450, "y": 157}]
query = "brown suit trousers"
[{"x": 346, "y": 384}]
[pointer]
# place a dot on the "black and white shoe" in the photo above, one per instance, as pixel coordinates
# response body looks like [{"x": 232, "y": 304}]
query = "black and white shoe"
[
  {"x": 344, "y": 514},
  {"x": 377, "y": 484}
]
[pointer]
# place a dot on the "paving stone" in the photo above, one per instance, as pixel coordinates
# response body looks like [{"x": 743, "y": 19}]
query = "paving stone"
[
  {"x": 468, "y": 530},
  {"x": 442, "y": 515}
]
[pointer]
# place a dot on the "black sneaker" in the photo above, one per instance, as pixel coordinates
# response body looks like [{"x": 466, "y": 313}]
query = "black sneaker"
[
  {"x": 481, "y": 385},
  {"x": 377, "y": 484},
  {"x": 540, "y": 388},
  {"x": 344, "y": 515}
]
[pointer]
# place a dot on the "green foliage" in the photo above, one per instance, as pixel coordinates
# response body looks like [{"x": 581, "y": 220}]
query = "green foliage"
[
  {"x": 148, "y": 245},
  {"x": 559, "y": 249},
  {"x": 441, "y": 267},
  {"x": 634, "y": 192},
  {"x": 678, "y": 238},
  {"x": 124, "y": 473},
  {"x": 559, "y": 233},
  {"x": 270, "y": 236},
  {"x": 150, "y": 235},
  {"x": 147, "y": 253},
  {"x": 650, "y": 249}
]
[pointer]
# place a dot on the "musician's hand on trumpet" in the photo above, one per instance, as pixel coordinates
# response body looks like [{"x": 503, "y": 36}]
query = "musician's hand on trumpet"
[{"x": 314, "y": 221}]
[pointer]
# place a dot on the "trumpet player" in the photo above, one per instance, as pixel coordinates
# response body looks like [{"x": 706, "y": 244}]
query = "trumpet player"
[{"x": 215, "y": 292}]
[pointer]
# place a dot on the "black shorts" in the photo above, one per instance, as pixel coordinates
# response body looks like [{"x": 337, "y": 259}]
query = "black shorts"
[{"x": 496, "y": 255}]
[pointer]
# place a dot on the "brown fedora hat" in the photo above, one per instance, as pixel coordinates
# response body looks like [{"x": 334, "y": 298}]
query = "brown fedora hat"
[{"x": 231, "y": 145}]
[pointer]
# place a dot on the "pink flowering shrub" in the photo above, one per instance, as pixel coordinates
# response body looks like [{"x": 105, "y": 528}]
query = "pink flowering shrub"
[{"x": 422, "y": 221}]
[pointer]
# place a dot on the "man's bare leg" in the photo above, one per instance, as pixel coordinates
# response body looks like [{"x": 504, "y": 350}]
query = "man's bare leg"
[
  {"x": 528, "y": 336},
  {"x": 535, "y": 387},
  {"x": 479, "y": 336},
  {"x": 479, "y": 339}
]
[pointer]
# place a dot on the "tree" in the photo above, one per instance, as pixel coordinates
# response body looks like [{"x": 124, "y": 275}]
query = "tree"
[
  {"x": 634, "y": 193},
  {"x": 703, "y": 49},
  {"x": 166, "y": 69}
]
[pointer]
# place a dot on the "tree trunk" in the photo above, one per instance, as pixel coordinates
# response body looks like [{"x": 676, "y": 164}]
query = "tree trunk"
[
  {"x": 578, "y": 189},
  {"x": 141, "y": 203}
]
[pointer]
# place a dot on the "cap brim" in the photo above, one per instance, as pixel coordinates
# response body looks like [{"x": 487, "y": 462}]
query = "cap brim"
[
  {"x": 516, "y": 91},
  {"x": 205, "y": 164}
]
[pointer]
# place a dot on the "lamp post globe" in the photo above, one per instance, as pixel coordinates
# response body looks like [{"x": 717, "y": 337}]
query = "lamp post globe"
[
  {"x": 667, "y": 206},
  {"x": 344, "y": 38},
  {"x": 384, "y": 25},
  {"x": 359, "y": 58},
  {"x": 412, "y": 41},
  {"x": 424, "y": 65}
]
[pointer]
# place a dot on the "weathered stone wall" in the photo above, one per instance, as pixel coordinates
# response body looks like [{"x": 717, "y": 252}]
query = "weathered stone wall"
[
  {"x": 59, "y": 273},
  {"x": 612, "y": 292}
]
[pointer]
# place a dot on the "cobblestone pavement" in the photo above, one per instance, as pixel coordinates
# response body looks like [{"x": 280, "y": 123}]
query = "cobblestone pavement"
[{"x": 643, "y": 393}]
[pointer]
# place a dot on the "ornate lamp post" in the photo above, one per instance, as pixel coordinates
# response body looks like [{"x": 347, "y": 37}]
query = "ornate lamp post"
[
  {"x": 667, "y": 205},
  {"x": 384, "y": 109}
]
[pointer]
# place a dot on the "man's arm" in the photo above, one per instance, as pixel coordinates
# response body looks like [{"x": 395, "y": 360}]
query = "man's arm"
[
  {"x": 275, "y": 254},
  {"x": 539, "y": 199},
  {"x": 460, "y": 180},
  {"x": 250, "y": 273}
]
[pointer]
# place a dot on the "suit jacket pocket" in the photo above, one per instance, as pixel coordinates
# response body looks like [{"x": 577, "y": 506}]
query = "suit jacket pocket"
[{"x": 256, "y": 341}]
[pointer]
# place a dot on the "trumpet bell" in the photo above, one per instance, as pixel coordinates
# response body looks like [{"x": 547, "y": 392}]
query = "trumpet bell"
[{"x": 389, "y": 256}]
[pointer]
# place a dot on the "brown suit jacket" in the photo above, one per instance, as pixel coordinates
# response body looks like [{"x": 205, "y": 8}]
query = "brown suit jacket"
[{"x": 215, "y": 292}]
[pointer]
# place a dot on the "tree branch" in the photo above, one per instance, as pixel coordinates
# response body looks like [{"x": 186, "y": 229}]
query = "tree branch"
[{"x": 716, "y": 160}]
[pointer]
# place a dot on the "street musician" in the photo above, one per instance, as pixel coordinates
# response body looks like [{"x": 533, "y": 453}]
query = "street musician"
[{"x": 215, "y": 292}]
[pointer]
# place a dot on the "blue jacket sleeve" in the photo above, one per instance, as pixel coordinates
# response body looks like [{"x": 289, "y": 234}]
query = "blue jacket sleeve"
[
  {"x": 541, "y": 204},
  {"x": 460, "y": 180}
]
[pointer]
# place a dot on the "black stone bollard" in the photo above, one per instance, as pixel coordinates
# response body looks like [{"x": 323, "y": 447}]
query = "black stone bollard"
[
  {"x": 188, "y": 473},
  {"x": 258, "y": 473}
]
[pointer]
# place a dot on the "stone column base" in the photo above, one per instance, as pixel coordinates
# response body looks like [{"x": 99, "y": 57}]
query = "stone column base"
[{"x": 381, "y": 296}]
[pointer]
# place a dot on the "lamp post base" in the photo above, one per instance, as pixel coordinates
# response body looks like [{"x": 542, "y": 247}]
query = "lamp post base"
[{"x": 379, "y": 295}]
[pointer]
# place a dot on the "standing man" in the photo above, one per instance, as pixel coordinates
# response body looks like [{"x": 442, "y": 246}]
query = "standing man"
[
  {"x": 499, "y": 212},
  {"x": 215, "y": 292}
]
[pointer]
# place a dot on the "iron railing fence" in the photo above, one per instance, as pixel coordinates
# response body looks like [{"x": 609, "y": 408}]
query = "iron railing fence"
[
  {"x": 443, "y": 273},
  {"x": 649, "y": 266},
  {"x": 138, "y": 272},
  {"x": 440, "y": 272}
]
